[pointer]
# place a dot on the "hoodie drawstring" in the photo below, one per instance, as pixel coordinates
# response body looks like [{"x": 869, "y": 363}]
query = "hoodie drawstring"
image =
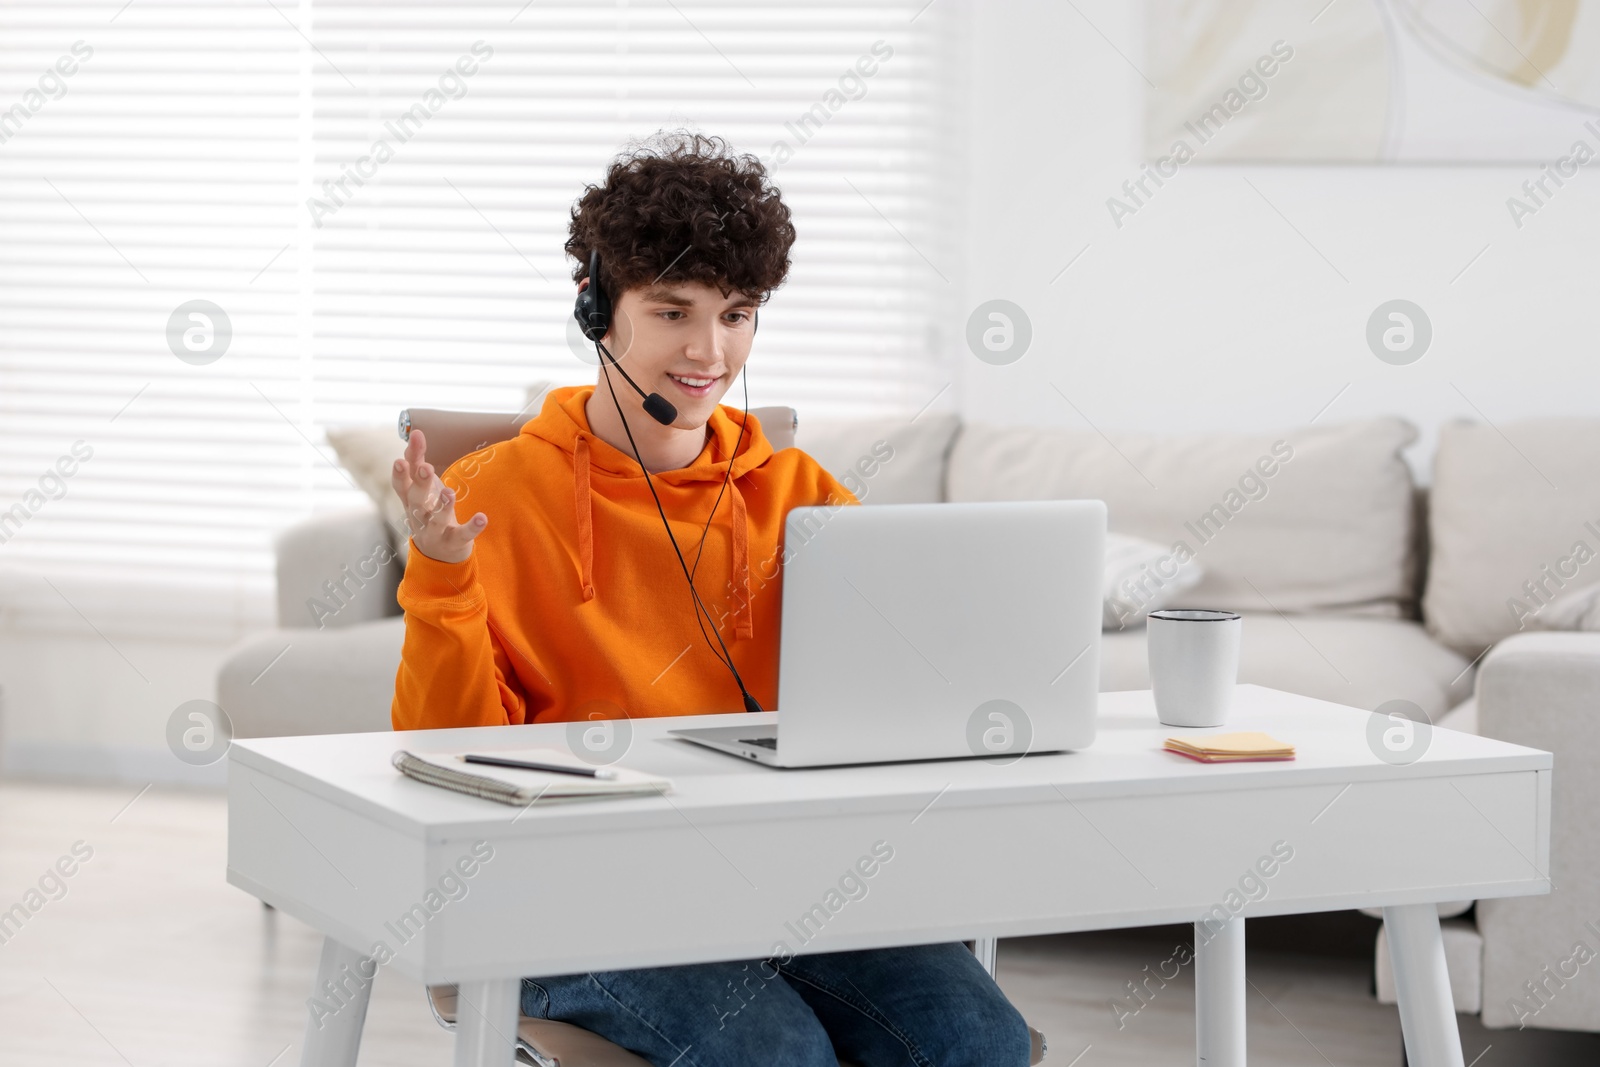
[
  {"x": 580, "y": 493},
  {"x": 739, "y": 561},
  {"x": 741, "y": 564}
]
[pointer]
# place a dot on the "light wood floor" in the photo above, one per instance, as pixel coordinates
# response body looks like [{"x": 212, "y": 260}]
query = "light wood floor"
[{"x": 150, "y": 959}]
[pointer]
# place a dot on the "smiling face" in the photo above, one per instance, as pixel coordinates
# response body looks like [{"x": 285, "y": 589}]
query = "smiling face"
[{"x": 687, "y": 342}]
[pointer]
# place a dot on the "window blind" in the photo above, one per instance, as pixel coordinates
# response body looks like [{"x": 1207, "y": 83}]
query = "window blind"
[
  {"x": 164, "y": 169},
  {"x": 376, "y": 195}
]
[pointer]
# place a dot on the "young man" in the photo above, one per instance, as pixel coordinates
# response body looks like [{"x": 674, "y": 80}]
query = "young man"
[{"x": 542, "y": 587}]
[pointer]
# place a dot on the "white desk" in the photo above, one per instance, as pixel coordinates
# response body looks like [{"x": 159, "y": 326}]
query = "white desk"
[{"x": 725, "y": 866}]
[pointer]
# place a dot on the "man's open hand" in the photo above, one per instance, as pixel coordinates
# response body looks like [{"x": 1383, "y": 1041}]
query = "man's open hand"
[{"x": 431, "y": 507}]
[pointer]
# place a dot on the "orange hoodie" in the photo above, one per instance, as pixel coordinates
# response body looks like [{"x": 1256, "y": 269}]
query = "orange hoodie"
[{"x": 573, "y": 606}]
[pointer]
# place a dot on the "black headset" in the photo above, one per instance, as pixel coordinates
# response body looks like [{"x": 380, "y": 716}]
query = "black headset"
[{"x": 593, "y": 312}]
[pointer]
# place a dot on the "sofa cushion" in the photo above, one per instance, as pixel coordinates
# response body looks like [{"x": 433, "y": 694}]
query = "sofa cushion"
[
  {"x": 1140, "y": 577},
  {"x": 1362, "y": 662},
  {"x": 1313, "y": 519},
  {"x": 1578, "y": 609},
  {"x": 367, "y": 453},
  {"x": 283, "y": 683},
  {"x": 882, "y": 460},
  {"x": 1514, "y": 524}
]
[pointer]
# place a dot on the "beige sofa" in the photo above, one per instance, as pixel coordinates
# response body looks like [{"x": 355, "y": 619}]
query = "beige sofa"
[{"x": 1356, "y": 587}]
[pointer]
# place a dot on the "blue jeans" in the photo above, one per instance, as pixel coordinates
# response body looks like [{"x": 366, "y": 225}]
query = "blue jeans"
[{"x": 923, "y": 1006}]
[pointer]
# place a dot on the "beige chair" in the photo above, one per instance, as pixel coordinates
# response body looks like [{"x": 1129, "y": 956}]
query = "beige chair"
[
  {"x": 544, "y": 1042},
  {"x": 451, "y": 435}
]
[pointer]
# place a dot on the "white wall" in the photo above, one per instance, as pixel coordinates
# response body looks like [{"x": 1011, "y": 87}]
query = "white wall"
[{"x": 1206, "y": 310}]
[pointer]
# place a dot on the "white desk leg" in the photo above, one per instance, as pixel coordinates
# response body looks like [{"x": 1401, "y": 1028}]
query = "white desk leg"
[
  {"x": 1422, "y": 985},
  {"x": 486, "y": 1022},
  {"x": 1219, "y": 1023},
  {"x": 987, "y": 950},
  {"x": 333, "y": 1040}
]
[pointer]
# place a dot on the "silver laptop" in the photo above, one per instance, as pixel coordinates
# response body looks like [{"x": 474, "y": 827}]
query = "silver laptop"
[{"x": 933, "y": 631}]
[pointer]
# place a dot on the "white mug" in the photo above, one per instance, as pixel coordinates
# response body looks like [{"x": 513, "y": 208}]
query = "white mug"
[{"x": 1194, "y": 664}]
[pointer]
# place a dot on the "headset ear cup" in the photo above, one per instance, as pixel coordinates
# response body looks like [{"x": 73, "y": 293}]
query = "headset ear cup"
[{"x": 593, "y": 306}]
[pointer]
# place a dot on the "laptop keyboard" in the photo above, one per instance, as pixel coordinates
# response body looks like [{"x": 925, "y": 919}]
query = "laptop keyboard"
[{"x": 764, "y": 742}]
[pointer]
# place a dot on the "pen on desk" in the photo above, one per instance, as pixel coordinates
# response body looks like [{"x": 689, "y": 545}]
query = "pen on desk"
[{"x": 528, "y": 765}]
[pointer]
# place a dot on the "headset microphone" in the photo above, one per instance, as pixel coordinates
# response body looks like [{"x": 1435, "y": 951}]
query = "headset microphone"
[
  {"x": 656, "y": 406},
  {"x": 593, "y": 312}
]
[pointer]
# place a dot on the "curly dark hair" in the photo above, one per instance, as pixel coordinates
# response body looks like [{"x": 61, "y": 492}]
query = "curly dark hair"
[{"x": 678, "y": 207}]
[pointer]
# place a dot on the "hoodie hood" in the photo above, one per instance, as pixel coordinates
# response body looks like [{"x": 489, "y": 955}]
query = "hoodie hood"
[{"x": 563, "y": 423}]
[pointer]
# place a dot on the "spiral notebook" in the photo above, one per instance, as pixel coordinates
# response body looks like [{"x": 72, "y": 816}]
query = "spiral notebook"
[{"x": 510, "y": 785}]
